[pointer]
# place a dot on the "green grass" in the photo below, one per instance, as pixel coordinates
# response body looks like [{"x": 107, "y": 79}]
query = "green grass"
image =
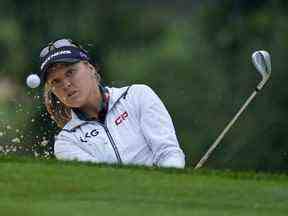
[{"x": 40, "y": 188}]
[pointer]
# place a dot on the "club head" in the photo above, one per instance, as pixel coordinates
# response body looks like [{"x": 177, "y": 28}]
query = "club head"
[{"x": 262, "y": 62}]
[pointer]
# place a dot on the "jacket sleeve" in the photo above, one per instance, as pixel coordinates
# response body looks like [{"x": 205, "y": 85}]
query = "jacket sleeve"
[
  {"x": 159, "y": 131},
  {"x": 66, "y": 148}
]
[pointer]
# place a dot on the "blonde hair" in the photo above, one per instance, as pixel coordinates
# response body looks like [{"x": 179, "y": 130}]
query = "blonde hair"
[{"x": 57, "y": 110}]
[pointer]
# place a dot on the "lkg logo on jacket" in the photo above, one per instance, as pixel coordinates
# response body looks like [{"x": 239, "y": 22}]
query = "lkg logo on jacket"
[{"x": 88, "y": 135}]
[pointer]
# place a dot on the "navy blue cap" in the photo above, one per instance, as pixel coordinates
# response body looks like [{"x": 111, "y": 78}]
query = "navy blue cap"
[{"x": 65, "y": 54}]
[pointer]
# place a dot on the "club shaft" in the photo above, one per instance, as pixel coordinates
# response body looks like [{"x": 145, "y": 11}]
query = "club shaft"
[{"x": 226, "y": 129}]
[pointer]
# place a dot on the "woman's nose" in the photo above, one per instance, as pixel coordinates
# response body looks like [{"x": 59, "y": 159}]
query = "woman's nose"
[{"x": 67, "y": 83}]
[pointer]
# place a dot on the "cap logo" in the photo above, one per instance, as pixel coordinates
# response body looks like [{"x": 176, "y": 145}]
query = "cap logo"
[
  {"x": 62, "y": 52},
  {"x": 83, "y": 55}
]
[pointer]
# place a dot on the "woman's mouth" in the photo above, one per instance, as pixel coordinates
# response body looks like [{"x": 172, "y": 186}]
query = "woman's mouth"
[{"x": 72, "y": 93}]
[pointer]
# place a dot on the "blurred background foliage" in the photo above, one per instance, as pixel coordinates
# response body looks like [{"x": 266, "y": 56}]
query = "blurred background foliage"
[{"x": 194, "y": 54}]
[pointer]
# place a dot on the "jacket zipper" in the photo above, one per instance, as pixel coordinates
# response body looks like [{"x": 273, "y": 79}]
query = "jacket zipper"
[
  {"x": 113, "y": 144},
  {"x": 109, "y": 135}
]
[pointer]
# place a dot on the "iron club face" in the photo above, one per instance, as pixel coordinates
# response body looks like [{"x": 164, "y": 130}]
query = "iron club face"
[{"x": 262, "y": 62}]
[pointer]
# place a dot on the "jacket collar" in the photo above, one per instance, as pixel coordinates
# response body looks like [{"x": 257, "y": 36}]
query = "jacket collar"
[{"x": 115, "y": 94}]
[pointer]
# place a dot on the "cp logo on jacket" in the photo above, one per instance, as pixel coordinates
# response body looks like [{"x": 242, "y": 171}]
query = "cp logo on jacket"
[{"x": 121, "y": 118}]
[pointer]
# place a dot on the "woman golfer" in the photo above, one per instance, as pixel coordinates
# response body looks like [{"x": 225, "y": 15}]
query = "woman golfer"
[{"x": 128, "y": 125}]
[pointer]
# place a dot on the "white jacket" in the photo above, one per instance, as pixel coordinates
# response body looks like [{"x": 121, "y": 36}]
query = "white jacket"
[{"x": 138, "y": 130}]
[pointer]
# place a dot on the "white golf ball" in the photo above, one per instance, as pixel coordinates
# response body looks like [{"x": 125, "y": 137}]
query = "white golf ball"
[{"x": 33, "y": 81}]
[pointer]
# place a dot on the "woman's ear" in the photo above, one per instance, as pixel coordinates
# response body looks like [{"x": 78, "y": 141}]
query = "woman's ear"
[
  {"x": 90, "y": 67},
  {"x": 91, "y": 70},
  {"x": 98, "y": 77}
]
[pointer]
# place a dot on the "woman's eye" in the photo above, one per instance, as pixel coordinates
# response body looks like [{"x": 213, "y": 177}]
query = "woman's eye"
[{"x": 70, "y": 72}]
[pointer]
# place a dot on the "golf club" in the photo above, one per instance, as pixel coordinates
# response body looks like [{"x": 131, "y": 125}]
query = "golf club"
[{"x": 262, "y": 62}]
